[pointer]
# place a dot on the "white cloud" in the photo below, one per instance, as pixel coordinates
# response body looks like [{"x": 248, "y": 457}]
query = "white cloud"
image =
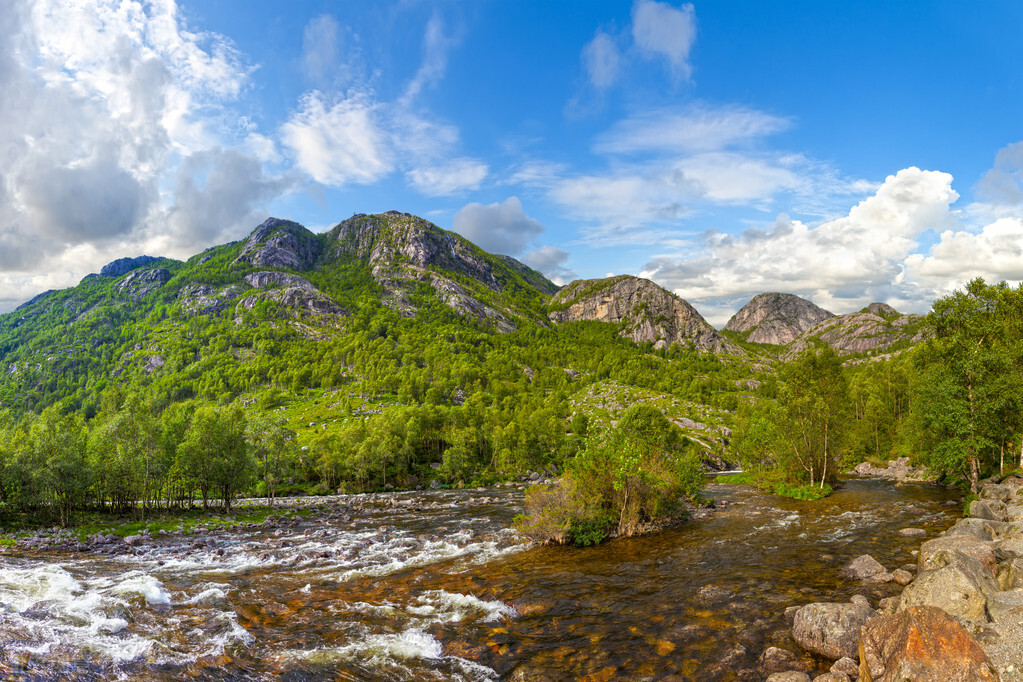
[
  {"x": 843, "y": 263},
  {"x": 994, "y": 253},
  {"x": 321, "y": 48},
  {"x": 339, "y": 143},
  {"x": 698, "y": 128},
  {"x": 458, "y": 175},
  {"x": 498, "y": 228},
  {"x": 660, "y": 29},
  {"x": 550, "y": 260},
  {"x": 602, "y": 60},
  {"x": 1003, "y": 184},
  {"x": 103, "y": 99},
  {"x": 436, "y": 44}
]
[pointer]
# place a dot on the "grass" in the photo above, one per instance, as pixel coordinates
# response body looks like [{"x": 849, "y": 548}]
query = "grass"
[{"x": 773, "y": 482}]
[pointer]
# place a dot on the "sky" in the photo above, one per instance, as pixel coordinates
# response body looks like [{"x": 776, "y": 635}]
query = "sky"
[{"x": 844, "y": 152}]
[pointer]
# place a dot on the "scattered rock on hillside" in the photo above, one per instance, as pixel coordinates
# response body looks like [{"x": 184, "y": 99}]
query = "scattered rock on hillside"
[{"x": 141, "y": 283}]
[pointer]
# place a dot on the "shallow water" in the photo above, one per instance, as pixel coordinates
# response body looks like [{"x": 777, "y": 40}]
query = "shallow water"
[{"x": 433, "y": 586}]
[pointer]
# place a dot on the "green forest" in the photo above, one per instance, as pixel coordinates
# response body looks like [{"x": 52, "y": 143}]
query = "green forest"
[{"x": 143, "y": 401}]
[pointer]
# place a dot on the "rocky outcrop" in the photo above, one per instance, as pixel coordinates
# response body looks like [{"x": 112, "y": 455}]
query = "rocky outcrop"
[
  {"x": 204, "y": 299},
  {"x": 776, "y": 318},
  {"x": 141, "y": 283},
  {"x": 647, "y": 313},
  {"x": 280, "y": 243},
  {"x": 404, "y": 251},
  {"x": 36, "y": 299},
  {"x": 897, "y": 470},
  {"x": 122, "y": 266},
  {"x": 923, "y": 644},
  {"x": 874, "y": 329},
  {"x": 269, "y": 279}
]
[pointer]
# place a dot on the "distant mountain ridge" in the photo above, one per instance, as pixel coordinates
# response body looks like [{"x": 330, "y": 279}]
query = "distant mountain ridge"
[{"x": 788, "y": 320}]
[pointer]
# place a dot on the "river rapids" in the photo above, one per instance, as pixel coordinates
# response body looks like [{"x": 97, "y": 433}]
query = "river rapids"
[{"x": 436, "y": 586}]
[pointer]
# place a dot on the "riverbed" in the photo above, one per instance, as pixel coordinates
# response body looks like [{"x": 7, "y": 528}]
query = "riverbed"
[{"x": 434, "y": 585}]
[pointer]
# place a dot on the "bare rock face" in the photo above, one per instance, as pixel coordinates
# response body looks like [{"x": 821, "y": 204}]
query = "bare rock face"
[
  {"x": 776, "y": 318},
  {"x": 124, "y": 265},
  {"x": 281, "y": 244},
  {"x": 875, "y": 328},
  {"x": 922, "y": 643},
  {"x": 649, "y": 313},
  {"x": 141, "y": 283},
  {"x": 404, "y": 251},
  {"x": 830, "y": 629},
  {"x": 268, "y": 279}
]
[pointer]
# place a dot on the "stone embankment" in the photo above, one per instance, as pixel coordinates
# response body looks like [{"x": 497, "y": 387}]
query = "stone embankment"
[{"x": 960, "y": 614}]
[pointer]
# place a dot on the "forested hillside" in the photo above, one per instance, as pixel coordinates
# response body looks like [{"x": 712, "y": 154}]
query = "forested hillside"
[{"x": 387, "y": 352}]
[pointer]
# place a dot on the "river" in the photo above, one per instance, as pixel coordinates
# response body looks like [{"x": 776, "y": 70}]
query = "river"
[{"x": 434, "y": 586}]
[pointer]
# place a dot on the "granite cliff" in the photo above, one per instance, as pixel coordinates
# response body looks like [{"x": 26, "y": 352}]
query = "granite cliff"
[
  {"x": 776, "y": 318},
  {"x": 647, "y": 312}
]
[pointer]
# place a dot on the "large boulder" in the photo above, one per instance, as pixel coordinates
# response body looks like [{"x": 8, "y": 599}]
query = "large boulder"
[
  {"x": 999, "y": 604},
  {"x": 982, "y": 529},
  {"x": 923, "y": 644},
  {"x": 830, "y": 629},
  {"x": 960, "y": 588},
  {"x": 979, "y": 509},
  {"x": 863, "y": 567},
  {"x": 941, "y": 551}
]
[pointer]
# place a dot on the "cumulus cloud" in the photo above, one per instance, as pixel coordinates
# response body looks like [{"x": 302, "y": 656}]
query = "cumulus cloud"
[
  {"x": 995, "y": 252},
  {"x": 458, "y": 175},
  {"x": 1003, "y": 184},
  {"x": 498, "y": 228},
  {"x": 844, "y": 263},
  {"x": 341, "y": 142},
  {"x": 663, "y": 30},
  {"x": 602, "y": 60},
  {"x": 104, "y": 103},
  {"x": 551, "y": 261}
]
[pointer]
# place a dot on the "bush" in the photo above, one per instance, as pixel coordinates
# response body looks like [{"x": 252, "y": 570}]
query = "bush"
[{"x": 625, "y": 478}]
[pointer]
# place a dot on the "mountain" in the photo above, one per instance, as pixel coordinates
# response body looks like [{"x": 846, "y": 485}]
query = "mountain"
[
  {"x": 776, "y": 318},
  {"x": 877, "y": 328},
  {"x": 646, "y": 312}
]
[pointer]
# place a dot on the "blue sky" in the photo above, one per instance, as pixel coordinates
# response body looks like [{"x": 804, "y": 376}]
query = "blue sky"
[{"x": 846, "y": 152}]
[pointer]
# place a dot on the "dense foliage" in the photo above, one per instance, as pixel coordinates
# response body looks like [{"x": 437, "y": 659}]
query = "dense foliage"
[{"x": 636, "y": 472}]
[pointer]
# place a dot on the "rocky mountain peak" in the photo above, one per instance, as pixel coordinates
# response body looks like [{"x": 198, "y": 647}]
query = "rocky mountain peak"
[
  {"x": 882, "y": 310},
  {"x": 649, "y": 313},
  {"x": 776, "y": 318},
  {"x": 278, "y": 243},
  {"x": 124, "y": 265}
]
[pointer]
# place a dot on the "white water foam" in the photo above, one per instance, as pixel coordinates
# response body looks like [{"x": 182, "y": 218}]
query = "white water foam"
[{"x": 453, "y": 607}]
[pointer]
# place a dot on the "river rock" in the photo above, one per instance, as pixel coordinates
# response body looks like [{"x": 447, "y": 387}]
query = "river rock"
[
  {"x": 789, "y": 676},
  {"x": 846, "y": 666},
  {"x": 960, "y": 588},
  {"x": 776, "y": 660},
  {"x": 942, "y": 550},
  {"x": 923, "y": 644},
  {"x": 1001, "y": 603},
  {"x": 862, "y": 567},
  {"x": 902, "y": 577},
  {"x": 832, "y": 677},
  {"x": 1010, "y": 574},
  {"x": 1001, "y": 493},
  {"x": 979, "y": 509},
  {"x": 830, "y": 629},
  {"x": 982, "y": 529},
  {"x": 912, "y": 532},
  {"x": 134, "y": 540}
]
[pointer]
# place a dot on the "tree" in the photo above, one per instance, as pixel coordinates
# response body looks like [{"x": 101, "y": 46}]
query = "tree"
[
  {"x": 273, "y": 447},
  {"x": 215, "y": 453},
  {"x": 970, "y": 388},
  {"x": 59, "y": 443},
  {"x": 815, "y": 407}
]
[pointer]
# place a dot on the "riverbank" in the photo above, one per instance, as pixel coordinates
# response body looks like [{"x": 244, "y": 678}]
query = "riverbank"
[{"x": 959, "y": 615}]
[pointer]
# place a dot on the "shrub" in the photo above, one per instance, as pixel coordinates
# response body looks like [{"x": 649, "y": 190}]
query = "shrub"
[{"x": 638, "y": 472}]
